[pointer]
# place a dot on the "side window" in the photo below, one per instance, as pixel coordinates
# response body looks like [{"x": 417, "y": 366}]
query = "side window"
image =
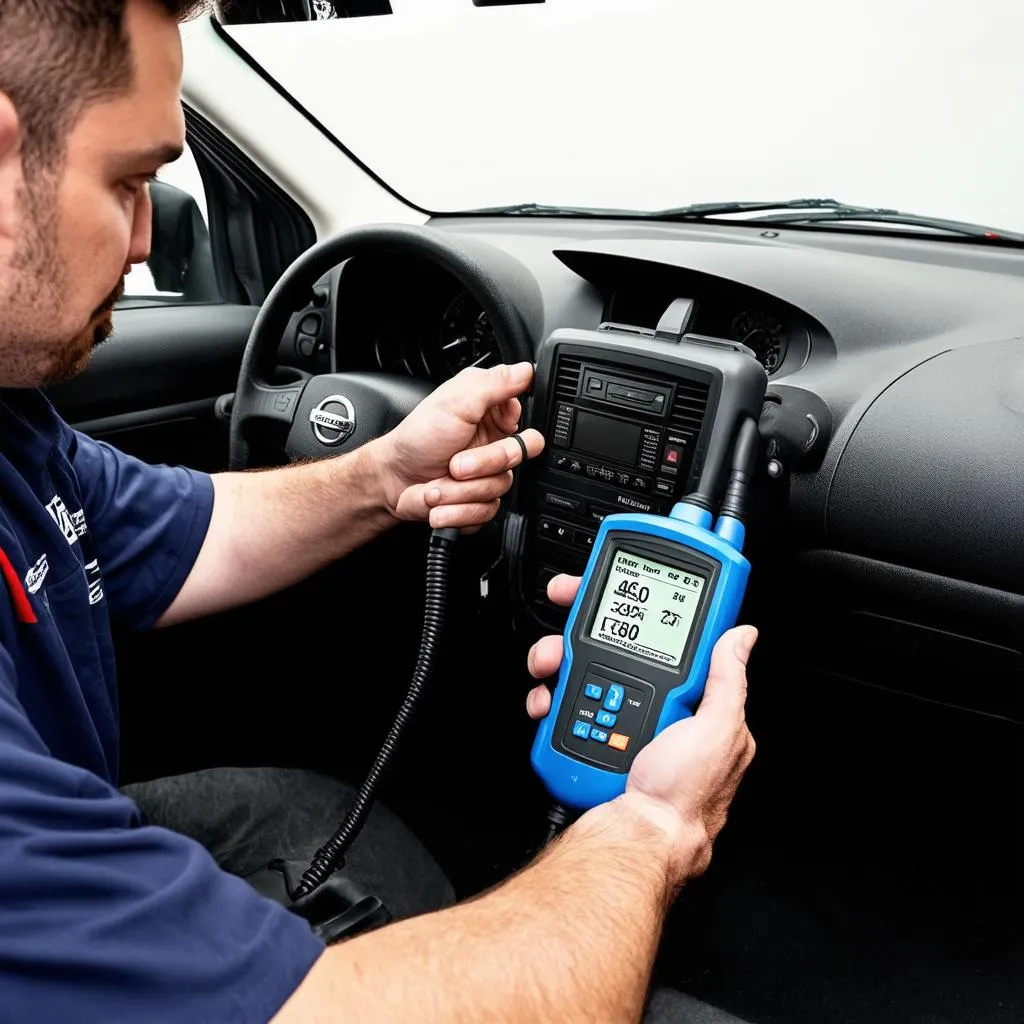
[{"x": 180, "y": 267}]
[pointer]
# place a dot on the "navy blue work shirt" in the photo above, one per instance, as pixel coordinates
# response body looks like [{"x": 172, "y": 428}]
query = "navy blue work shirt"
[{"x": 103, "y": 918}]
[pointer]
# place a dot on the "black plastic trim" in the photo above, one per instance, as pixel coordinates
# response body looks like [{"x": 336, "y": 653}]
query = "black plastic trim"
[
  {"x": 272, "y": 233},
  {"x": 205, "y": 407},
  {"x": 928, "y": 636}
]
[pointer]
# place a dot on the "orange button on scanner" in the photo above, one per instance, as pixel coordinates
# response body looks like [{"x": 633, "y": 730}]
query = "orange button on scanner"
[{"x": 617, "y": 741}]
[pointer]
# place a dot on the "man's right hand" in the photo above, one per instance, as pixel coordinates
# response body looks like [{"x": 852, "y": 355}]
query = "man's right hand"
[{"x": 685, "y": 779}]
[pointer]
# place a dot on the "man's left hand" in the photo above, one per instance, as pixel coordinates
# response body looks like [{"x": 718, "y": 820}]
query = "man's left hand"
[{"x": 451, "y": 459}]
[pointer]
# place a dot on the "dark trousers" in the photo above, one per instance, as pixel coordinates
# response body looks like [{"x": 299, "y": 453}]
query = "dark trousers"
[{"x": 247, "y": 817}]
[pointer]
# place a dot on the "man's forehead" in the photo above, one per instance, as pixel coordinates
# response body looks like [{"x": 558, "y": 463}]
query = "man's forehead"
[{"x": 130, "y": 131}]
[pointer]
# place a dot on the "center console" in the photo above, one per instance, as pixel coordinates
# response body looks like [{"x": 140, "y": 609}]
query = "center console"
[{"x": 633, "y": 422}]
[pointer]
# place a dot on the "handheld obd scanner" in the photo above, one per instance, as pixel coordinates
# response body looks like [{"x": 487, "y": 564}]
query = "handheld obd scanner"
[{"x": 657, "y": 593}]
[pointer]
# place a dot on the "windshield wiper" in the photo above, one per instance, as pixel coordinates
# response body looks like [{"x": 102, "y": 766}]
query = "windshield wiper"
[
  {"x": 540, "y": 210},
  {"x": 788, "y": 211},
  {"x": 824, "y": 210}
]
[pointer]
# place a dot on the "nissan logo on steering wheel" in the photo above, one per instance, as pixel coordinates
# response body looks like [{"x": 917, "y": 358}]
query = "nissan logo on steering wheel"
[{"x": 333, "y": 419}]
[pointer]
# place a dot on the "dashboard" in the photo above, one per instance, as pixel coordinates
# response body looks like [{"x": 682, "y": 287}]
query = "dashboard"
[
  {"x": 407, "y": 317},
  {"x": 908, "y": 353}
]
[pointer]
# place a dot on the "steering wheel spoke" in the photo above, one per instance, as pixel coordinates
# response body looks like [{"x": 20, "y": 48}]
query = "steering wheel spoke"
[
  {"x": 276, "y": 403},
  {"x": 266, "y": 410}
]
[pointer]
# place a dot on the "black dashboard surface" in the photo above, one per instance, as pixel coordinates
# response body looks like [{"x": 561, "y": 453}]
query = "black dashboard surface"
[{"x": 916, "y": 347}]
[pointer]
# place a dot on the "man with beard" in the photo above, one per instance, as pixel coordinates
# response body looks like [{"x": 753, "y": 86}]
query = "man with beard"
[{"x": 108, "y": 914}]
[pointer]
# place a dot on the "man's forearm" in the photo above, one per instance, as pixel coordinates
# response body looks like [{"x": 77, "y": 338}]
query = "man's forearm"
[
  {"x": 570, "y": 939},
  {"x": 273, "y": 528}
]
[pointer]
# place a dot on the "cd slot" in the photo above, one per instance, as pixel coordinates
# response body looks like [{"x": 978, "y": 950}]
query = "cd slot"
[{"x": 626, "y": 393}]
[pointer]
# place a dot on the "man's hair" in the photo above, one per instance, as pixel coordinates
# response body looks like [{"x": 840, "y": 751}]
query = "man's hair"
[{"x": 59, "y": 56}]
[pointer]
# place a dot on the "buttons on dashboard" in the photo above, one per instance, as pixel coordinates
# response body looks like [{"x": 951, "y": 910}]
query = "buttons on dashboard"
[
  {"x": 554, "y": 530},
  {"x": 311, "y": 324},
  {"x": 563, "y": 533},
  {"x": 563, "y": 425},
  {"x": 671, "y": 459},
  {"x": 562, "y": 502},
  {"x": 565, "y": 462},
  {"x": 650, "y": 441}
]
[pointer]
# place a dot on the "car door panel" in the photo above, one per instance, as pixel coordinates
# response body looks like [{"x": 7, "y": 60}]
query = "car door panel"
[{"x": 152, "y": 388}]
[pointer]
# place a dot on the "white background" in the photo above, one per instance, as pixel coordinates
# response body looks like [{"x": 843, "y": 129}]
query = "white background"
[{"x": 913, "y": 104}]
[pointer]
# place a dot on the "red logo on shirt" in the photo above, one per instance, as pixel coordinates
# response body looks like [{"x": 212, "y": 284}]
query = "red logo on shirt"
[{"x": 22, "y": 606}]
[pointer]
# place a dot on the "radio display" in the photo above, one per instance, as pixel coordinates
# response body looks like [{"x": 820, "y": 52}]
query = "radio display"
[
  {"x": 648, "y": 608},
  {"x": 607, "y": 438}
]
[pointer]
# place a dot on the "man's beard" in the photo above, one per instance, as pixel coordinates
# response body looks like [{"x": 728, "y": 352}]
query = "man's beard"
[
  {"x": 73, "y": 358},
  {"x": 29, "y": 356},
  {"x": 103, "y": 315}
]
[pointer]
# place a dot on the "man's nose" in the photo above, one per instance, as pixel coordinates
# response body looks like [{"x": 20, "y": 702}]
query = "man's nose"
[{"x": 142, "y": 229}]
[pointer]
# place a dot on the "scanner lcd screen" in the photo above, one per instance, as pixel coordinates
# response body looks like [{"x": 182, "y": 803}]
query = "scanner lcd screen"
[{"x": 647, "y": 608}]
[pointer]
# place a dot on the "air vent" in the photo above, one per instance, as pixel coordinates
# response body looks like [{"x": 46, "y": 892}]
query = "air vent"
[
  {"x": 567, "y": 378},
  {"x": 689, "y": 406}
]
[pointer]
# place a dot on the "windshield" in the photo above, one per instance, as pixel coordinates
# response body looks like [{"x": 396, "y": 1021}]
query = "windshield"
[{"x": 653, "y": 104}]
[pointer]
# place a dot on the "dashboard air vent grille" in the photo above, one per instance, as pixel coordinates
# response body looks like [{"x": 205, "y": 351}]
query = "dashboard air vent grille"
[
  {"x": 567, "y": 378},
  {"x": 689, "y": 406}
]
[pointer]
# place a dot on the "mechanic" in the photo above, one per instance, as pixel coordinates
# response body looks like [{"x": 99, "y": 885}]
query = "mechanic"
[{"x": 117, "y": 907}]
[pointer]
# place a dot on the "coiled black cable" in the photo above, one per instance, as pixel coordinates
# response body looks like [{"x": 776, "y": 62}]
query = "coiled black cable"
[
  {"x": 329, "y": 857},
  {"x": 558, "y": 818}
]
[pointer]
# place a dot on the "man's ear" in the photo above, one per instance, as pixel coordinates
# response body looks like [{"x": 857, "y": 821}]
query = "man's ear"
[
  {"x": 10, "y": 127},
  {"x": 10, "y": 163}
]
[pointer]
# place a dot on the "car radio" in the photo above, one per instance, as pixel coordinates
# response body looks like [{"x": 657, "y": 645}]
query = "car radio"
[
  {"x": 633, "y": 423},
  {"x": 616, "y": 429}
]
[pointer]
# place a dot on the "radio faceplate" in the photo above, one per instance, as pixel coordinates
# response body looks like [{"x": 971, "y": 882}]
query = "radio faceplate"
[{"x": 629, "y": 424}]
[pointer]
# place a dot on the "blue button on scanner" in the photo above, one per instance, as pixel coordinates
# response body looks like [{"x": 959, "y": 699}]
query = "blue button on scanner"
[
  {"x": 598, "y": 735},
  {"x": 593, "y": 691},
  {"x": 605, "y": 718},
  {"x": 613, "y": 702},
  {"x": 581, "y": 729}
]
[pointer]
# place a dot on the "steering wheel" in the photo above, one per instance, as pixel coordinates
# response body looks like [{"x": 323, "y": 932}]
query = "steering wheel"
[{"x": 331, "y": 413}]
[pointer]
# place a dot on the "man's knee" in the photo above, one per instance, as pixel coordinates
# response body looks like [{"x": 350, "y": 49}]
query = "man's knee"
[{"x": 247, "y": 817}]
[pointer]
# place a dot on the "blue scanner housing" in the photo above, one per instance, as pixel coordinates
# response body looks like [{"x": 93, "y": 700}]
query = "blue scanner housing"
[{"x": 610, "y": 702}]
